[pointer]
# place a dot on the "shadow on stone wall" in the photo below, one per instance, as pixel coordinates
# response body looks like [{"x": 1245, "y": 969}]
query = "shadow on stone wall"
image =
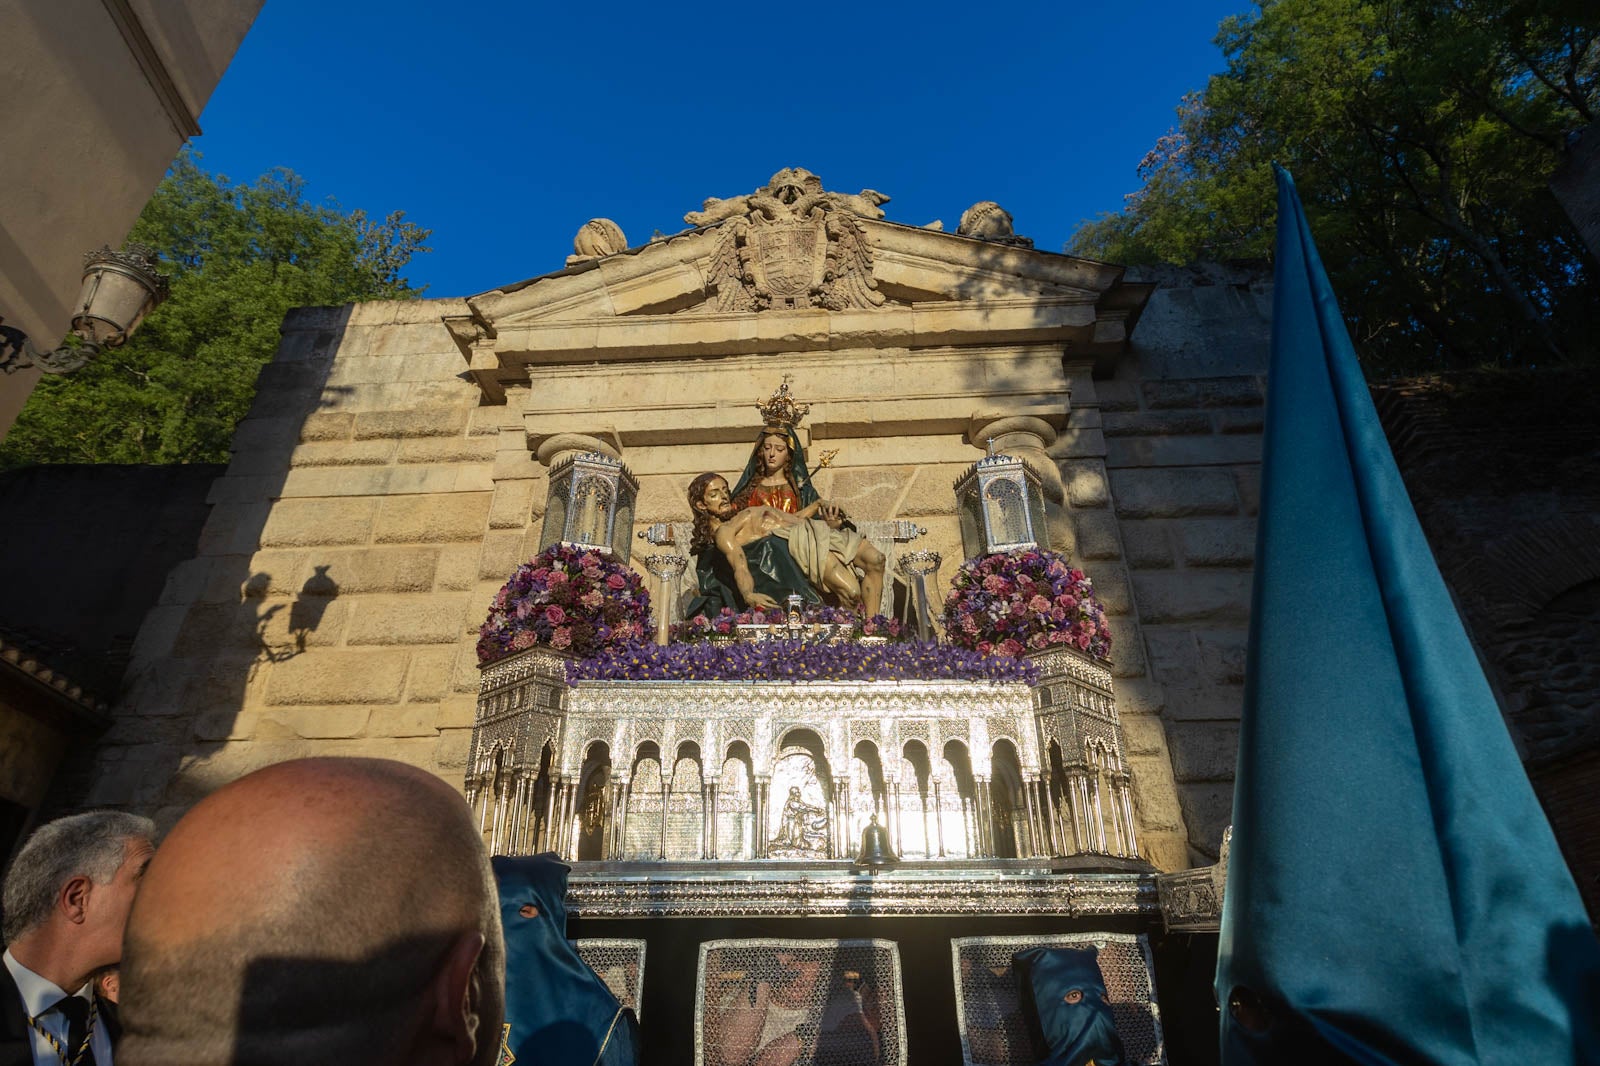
[
  {"x": 1504, "y": 470},
  {"x": 305, "y": 613},
  {"x": 206, "y": 635}
]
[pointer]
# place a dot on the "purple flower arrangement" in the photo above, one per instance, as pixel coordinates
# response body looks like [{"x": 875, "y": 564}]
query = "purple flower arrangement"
[
  {"x": 1013, "y": 602},
  {"x": 791, "y": 660},
  {"x": 725, "y": 623},
  {"x": 575, "y": 601}
]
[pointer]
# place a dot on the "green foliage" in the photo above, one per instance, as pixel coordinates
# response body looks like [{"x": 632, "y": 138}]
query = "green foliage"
[
  {"x": 1421, "y": 134},
  {"x": 240, "y": 257}
]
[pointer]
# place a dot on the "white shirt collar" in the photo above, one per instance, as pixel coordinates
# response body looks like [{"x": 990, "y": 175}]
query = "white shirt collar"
[{"x": 38, "y": 994}]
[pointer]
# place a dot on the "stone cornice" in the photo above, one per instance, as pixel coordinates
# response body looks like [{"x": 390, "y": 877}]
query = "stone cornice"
[
  {"x": 692, "y": 423},
  {"x": 959, "y": 266},
  {"x": 1000, "y": 321},
  {"x": 943, "y": 289}
]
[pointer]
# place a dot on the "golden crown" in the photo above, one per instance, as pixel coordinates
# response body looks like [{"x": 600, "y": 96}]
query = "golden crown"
[{"x": 780, "y": 408}]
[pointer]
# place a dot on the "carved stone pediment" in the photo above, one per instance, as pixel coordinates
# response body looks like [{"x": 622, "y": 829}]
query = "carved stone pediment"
[
  {"x": 755, "y": 271},
  {"x": 791, "y": 245},
  {"x": 895, "y": 266}
]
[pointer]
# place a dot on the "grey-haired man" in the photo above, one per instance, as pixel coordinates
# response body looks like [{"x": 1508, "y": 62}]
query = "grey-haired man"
[{"x": 66, "y": 898}]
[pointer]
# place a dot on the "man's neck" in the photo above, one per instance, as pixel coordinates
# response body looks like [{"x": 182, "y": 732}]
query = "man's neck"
[{"x": 44, "y": 951}]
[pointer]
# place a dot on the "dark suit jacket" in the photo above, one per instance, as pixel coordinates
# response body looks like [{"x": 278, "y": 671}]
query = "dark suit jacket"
[{"x": 16, "y": 1039}]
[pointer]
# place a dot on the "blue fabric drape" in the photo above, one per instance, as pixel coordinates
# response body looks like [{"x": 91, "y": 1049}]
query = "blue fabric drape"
[
  {"x": 772, "y": 568},
  {"x": 557, "y": 1008},
  {"x": 1068, "y": 995},
  {"x": 1394, "y": 894}
]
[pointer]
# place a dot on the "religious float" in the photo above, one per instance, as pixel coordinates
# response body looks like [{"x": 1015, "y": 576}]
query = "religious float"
[{"x": 815, "y": 810}]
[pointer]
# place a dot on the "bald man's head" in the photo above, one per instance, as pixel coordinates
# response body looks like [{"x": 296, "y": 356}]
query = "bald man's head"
[{"x": 322, "y": 910}]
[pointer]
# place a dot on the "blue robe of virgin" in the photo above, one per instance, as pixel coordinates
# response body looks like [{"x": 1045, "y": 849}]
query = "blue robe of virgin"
[
  {"x": 798, "y": 474},
  {"x": 557, "y": 1008}
]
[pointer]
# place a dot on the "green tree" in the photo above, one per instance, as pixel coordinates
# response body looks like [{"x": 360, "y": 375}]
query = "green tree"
[
  {"x": 240, "y": 256},
  {"x": 1421, "y": 134}
]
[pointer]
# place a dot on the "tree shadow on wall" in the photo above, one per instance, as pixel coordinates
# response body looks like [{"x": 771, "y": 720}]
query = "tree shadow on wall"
[{"x": 192, "y": 678}]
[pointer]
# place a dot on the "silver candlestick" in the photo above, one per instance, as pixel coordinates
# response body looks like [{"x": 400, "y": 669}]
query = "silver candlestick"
[
  {"x": 666, "y": 568},
  {"x": 915, "y": 568}
]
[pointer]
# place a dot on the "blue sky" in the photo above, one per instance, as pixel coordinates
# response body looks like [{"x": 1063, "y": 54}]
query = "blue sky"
[{"x": 503, "y": 127}]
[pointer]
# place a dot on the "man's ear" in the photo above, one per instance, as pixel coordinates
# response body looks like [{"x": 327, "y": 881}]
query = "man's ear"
[
  {"x": 454, "y": 998},
  {"x": 73, "y": 899}
]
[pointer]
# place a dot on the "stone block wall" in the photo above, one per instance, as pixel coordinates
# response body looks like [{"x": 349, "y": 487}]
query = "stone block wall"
[
  {"x": 332, "y": 604},
  {"x": 1164, "y": 523},
  {"x": 1162, "y": 467}
]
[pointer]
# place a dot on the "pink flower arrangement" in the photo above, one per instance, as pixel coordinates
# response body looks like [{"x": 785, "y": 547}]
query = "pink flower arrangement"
[
  {"x": 1014, "y": 602},
  {"x": 580, "y": 602}
]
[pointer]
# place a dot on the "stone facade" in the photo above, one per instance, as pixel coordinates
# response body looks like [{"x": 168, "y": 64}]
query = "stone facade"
[
  {"x": 1163, "y": 489},
  {"x": 338, "y": 575},
  {"x": 393, "y": 472}
]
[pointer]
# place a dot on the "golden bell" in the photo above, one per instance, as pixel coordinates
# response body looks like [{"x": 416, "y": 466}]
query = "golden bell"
[{"x": 875, "y": 849}]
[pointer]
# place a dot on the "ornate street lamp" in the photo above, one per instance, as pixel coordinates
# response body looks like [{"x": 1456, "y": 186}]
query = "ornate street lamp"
[{"x": 119, "y": 290}]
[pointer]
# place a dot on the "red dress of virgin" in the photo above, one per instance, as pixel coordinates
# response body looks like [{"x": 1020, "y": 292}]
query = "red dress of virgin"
[{"x": 783, "y": 497}]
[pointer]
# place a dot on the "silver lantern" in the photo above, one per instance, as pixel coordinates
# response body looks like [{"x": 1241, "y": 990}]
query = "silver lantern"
[
  {"x": 1001, "y": 506},
  {"x": 591, "y": 505}
]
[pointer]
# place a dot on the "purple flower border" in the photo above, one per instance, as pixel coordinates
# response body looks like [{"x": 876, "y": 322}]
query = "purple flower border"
[{"x": 797, "y": 661}]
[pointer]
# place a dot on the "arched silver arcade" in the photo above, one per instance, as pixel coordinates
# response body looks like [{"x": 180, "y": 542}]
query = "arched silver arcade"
[{"x": 693, "y": 772}]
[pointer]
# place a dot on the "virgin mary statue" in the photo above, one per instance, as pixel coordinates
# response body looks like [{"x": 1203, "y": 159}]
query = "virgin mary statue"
[{"x": 776, "y": 475}]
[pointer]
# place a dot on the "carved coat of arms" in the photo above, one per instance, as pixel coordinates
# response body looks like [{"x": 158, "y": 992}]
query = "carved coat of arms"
[{"x": 792, "y": 245}]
